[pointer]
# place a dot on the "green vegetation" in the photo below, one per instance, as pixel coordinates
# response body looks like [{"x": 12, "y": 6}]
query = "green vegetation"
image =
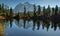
[{"x": 9, "y": 13}]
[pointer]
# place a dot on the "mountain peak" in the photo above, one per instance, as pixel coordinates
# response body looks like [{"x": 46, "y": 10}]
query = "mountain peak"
[
  {"x": 26, "y": 3},
  {"x": 20, "y": 7}
]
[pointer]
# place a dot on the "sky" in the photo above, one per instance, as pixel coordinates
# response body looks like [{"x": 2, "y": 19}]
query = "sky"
[{"x": 13, "y": 3}]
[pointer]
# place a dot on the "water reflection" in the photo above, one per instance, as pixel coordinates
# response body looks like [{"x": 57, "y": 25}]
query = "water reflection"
[
  {"x": 46, "y": 23},
  {"x": 35, "y": 23},
  {"x": 11, "y": 23},
  {"x": 38, "y": 24},
  {"x": 28, "y": 25},
  {"x": 2, "y": 26}
]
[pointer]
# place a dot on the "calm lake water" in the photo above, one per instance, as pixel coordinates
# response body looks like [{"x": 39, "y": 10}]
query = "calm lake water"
[{"x": 30, "y": 28}]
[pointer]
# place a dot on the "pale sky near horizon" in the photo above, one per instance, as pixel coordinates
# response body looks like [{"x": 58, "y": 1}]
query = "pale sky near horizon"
[{"x": 13, "y": 3}]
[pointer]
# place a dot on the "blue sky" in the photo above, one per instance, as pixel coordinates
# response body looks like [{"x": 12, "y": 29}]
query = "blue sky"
[{"x": 13, "y": 3}]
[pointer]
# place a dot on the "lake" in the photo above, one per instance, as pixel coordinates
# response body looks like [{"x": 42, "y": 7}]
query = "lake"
[{"x": 29, "y": 28}]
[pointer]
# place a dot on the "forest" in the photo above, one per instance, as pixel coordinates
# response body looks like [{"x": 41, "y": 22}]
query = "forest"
[{"x": 51, "y": 13}]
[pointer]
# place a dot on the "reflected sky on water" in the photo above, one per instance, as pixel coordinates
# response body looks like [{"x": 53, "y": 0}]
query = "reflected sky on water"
[{"x": 30, "y": 28}]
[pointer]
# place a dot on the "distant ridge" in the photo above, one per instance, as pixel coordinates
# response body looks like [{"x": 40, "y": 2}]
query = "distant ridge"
[{"x": 20, "y": 7}]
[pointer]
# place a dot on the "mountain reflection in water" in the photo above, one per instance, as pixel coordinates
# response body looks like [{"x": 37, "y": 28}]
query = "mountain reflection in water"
[{"x": 20, "y": 27}]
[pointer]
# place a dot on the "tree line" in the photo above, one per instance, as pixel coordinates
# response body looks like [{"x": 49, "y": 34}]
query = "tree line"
[{"x": 49, "y": 11}]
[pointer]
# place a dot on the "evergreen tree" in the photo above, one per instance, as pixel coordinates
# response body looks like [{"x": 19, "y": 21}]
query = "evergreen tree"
[
  {"x": 24, "y": 10},
  {"x": 56, "y": 9},
  {"x": 53, "y": 11},
  {"x": 0, "y": 7},
  {"x": 48, "y": 10},
  {"x": 39, "y": 9},
  {"x": 44, "y": 10},
  {"x": 11, "y": 12},
  {"x": 18, "y": 15},
  {"x": 34, "y": 10},
  {"x": 28, "y": 14},
  {"x": 3, "y": 7}
]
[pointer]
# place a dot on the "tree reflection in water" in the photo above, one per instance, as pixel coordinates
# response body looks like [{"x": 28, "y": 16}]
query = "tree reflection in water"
[
  {"x": 24, "y": 23},
  {"x": 11, "y": 23},
  {"x": 35, "y": 24},
  {"x": 38, "y": 24},
  {"x": 46, "y": 24}
]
